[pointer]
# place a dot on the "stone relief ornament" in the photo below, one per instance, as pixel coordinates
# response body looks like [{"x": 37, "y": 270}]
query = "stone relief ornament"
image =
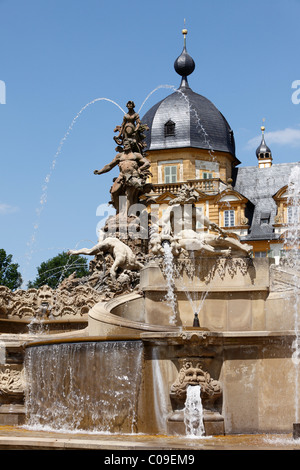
[
  {"x": 12, "y": 384},
  {"x": 193, "y": 373},
  {"x": 186, "y": 195},
  {"x": 48, "y": 303}
]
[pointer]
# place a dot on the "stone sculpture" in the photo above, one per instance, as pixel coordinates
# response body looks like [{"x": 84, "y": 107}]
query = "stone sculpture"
[
  {"x": 131, "y": 182},
  {"x": 131, "y": 128},
  {"x": 124, "y": 257},
  {"x": 211, "y": 244},
  {"x": 194, "y": 374},
  {"x": 186, "y": 195},
  {"x": 12, "y": 384},
  {"x": 70, "y": 298},
  {"x": 133, "y": 164},
  {"x": 201, "y": 243}
]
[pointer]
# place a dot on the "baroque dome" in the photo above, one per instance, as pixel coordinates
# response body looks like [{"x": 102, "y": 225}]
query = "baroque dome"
[{"x": 187, "y": 119}]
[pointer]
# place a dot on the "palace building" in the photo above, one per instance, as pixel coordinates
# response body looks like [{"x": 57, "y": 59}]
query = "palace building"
[{"x": 190, "y": 142}]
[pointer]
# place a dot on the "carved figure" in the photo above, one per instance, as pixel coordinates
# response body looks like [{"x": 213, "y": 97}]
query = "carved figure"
[
  {"x": 191, "y": 374},
  {"x": 186, "y": 195},
  {"x": 210, "y": 244},
  {"x": 45, "y": 301},
  {"x": 131, "y": 128},
  {"x": 124, "y": 257},
  {"x": 68, "y": 299},
  {"x": 134, "y": 171},
  {"x": 200, "y": 243},
  {"x": 11, "y": 380}
]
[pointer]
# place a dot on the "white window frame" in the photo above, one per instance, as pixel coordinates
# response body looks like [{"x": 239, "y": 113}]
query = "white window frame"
[
  {"x": 171, "y": 174},
  {"x": 229, "y": 218}
]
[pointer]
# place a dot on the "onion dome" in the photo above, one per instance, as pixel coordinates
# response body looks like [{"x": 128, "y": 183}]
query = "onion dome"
[
  {"x": 187, "y": 119},
  {"x": 184, "y": 64},
  {"x": 263, "y": 151}
]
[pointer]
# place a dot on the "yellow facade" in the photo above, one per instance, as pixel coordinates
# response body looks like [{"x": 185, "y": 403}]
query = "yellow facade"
[{"x": 210, "y": 174}]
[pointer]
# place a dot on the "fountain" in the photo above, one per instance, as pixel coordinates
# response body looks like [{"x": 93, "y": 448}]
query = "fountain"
[
  {"x": 174, "y": 331},
  {"x": 127, "y": 350},
  {"x": 143, "y": 358}
]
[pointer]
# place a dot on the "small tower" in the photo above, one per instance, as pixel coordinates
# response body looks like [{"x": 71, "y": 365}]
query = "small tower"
[{"x": 263, "y": 153}]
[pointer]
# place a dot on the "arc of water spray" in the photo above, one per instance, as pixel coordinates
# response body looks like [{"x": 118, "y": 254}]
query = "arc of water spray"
[
  {"x": 153, "y": 91},
  {"x": 43, "y": 198}
]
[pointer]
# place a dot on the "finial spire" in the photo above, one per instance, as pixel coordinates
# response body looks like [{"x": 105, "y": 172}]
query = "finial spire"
[
  {"x": 184, "y": 64},
  {"x": 184, "y": 32}
]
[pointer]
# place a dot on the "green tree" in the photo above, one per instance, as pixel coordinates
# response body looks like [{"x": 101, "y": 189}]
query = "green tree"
[
  {"x": 56, "y": 269},
  {"x": 9, "y": 274}
]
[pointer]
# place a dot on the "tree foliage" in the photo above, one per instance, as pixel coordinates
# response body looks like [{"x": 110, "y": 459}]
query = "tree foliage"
[
  {"x": 56, "y": 269},
  {"x": 9, "y": 274}
]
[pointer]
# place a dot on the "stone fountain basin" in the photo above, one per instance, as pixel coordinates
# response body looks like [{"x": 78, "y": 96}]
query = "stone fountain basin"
[
  {"x": 240, "y": 295},
  {"x": 245, "y": 342}
]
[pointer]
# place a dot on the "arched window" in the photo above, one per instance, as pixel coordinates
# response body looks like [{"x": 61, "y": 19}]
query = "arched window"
[{"x": 169, "y": 128}]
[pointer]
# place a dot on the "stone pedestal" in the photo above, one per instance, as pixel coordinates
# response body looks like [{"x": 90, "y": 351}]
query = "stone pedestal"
[{"x": 12, "y": 415}]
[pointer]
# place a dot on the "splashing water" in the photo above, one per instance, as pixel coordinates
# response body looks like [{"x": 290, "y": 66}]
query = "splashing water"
[
  {"x": 170, "y": 297},
  {"x": 160, "y": 390},
  {"x": 90, "y": 386},
  {"x": 293, "y": 262},
  {"x": 194, "y": 268},
  {"x": 193, "y": 412},
  {"x": 193, "y": 297}
]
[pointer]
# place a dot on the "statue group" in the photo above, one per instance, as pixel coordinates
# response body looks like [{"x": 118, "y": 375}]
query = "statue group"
[
  {"x": 131, "y": 160},
  {"x": 132, "y": 184}
]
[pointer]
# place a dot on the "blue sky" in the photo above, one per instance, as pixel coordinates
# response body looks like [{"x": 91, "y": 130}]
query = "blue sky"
[{"x": 59, "y": 55}]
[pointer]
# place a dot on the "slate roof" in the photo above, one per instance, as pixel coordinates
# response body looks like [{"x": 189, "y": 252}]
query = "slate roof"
[
  {"x": 259, "y": 185},
  {"x": 198, "y": 123}
]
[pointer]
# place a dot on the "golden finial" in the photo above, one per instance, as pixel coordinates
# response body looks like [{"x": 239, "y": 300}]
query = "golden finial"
[
  {"x": 263, "y": 127},
  {"x": 184, "y": 32}
]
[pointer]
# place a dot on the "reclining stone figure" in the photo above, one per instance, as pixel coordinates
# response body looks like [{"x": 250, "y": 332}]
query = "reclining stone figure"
[{"x": 124, "y": 257}]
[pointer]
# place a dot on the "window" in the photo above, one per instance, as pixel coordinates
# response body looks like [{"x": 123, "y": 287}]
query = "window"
[
  {"x": 265, "y": 217},
  {"x": 207, "y": 175},
  {"x": 260, "y": 254},
  {"x": 229, "y": 218},
  {"x": 170, "y": 128},
  {"x": 170, "y": 174},
  {"x": 199, "y": 214}
]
